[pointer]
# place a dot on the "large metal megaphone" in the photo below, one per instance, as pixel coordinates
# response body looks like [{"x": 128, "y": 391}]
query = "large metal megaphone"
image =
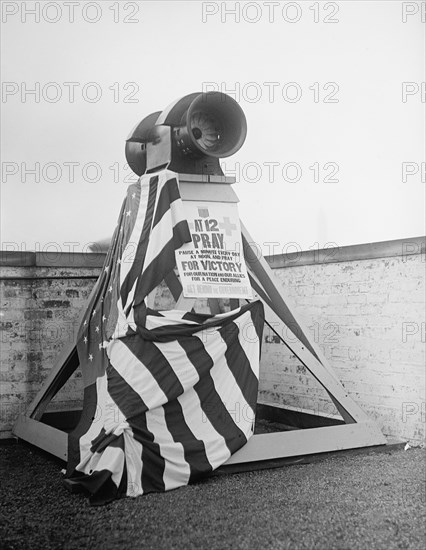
[{"x": 189, "y": 136}]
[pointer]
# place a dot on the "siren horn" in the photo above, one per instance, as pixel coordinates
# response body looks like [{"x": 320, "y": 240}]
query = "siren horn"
[{"x": 189, "y": 136}]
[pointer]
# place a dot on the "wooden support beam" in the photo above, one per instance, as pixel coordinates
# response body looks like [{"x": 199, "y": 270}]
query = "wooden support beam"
[
  {"x": 346, "y": 406},
  {"x": 42, "y": 435},
  {"x": 308, "y": 441},
  {"x": 65, "y": 366},
  {"x": 261, "y": 295},
  {"x": 259, "y": 447},
  {"x": 273, "y": 288},
  {"x": 322, "y": 371},
  {"x": 278, "y": 299}
]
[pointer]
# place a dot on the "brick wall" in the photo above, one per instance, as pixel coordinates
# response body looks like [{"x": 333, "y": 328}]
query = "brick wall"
[
  {"x": 364, "y": 306},
  {"x": 41, "y": 298}
]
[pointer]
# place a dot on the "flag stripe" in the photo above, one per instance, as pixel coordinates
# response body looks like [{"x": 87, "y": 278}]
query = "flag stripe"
[
  {"x": 130, "y": 232},
  {"x": 217, "y": 451},
  {"x": 153, "y": 462},
  {"x": 211, "y": 402},
  {"x": 168, "y": 194},
  {"x": 231, "y": 393},
  {"x": 153, "y": 360},
  {"x": 134, "y": 374},
  {"x": 193, "y": 448},
  {"x": 239, "y": 364},
  {"x": 90, "y": 401},
  {"x": 182, "y": 368},
  {"x": 162, "y": 264},
  {"x": 134, "y": 409},
  {"x": 169, "y": 333},
  {"x": 139, "y": 259},
  {"x": 258, "y": 321},
  {"x": 176, "y": 468},
  {"x": 133, "y": 464}
]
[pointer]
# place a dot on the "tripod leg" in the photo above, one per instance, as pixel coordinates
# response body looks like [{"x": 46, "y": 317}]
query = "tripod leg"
[{"x": 278, "y": 311}]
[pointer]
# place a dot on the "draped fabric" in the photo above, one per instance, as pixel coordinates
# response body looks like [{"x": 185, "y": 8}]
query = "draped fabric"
[{"x": 169, "y": 395}]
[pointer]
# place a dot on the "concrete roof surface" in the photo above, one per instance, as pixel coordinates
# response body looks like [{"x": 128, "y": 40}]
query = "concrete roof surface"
[{"x": 362, "y": 501}]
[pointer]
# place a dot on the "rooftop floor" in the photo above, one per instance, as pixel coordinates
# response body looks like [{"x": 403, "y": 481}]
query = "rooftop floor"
[{"x": 360, "y": 501}]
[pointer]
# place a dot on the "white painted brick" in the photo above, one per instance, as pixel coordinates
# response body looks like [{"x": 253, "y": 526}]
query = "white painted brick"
[{"x": 369, "y": 300}]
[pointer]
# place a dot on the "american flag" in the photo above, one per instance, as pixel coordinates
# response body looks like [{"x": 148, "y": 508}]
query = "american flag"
[{"x": 169, "y": 395}]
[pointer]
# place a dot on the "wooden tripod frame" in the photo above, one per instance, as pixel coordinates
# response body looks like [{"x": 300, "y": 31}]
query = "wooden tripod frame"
[{"x": 357, "y": 431}]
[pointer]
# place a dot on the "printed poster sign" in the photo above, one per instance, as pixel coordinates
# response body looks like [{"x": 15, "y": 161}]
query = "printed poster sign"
[{"x": 213, "y": 265}]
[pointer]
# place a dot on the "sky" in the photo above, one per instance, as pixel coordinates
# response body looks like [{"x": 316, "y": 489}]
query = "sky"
[{"x": 332, "y": 93}]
